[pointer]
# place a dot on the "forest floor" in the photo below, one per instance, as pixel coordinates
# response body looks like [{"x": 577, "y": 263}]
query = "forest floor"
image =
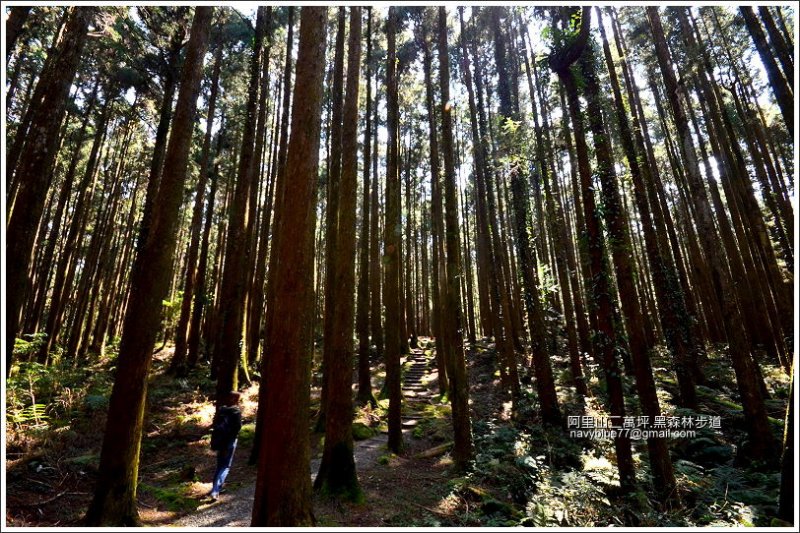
[{"x": 524, "y": 473}]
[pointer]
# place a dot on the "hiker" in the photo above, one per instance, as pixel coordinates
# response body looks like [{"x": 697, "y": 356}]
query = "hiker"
[{"x": 224, "y": 433}]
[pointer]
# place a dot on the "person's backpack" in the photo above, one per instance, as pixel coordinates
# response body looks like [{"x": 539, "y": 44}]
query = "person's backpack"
[{"x": 224, "y": 428}]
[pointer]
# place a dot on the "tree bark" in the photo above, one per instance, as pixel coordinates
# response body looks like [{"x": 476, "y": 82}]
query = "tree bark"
[
  {"x": 451, "y": 310},
  {"x": 332, "y": 213},
  {"x": 391, "y": 243},
  {"x": 14, "y": 23},
  {"x": 780, "y": 86},
  {"x": 762, "y": 443},
  {"x": 545, "y": 383},
  {"x": 114, "y": 501},
  {"x": 178, "y": 365},
  {"x": 227, "y": 348},
  {"x": 599, "y": 282},
  {"x": 362, "y": 319},
  {"x": 283, "y": 486},
  {"x": 36, "y": 160},
  {"x": 337, "y": 472}
]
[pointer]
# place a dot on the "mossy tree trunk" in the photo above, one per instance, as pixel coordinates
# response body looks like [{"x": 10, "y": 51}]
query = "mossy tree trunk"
[
  {"x": 598, "y": 282},
  {"x": 337, "y": 472},
  {"x": 114, "y": 501}
]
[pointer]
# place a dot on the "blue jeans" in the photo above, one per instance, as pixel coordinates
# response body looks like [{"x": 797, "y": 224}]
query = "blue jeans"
[{"x": 224, "y": 462}]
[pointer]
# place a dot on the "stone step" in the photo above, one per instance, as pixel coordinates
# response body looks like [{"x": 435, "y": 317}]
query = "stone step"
[{"x": 409, "y": 423}]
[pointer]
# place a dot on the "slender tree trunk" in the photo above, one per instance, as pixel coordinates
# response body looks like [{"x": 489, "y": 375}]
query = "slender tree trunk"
[
  {"x": 14, "y": 23},
  {"x": 37, "y": 158},
  {"x": 178, "y": 364},
  {"x": 278, "y": 206},
  {"x": 376, "y": 327},
  {"x": 781, "y": 88},
  {"x": 200, "y": 296},
  {"x": 545, "y": 383},
  {"x": 337, "y": 472},
  {"x": 437, "y": 222},
  {"x": 227, "y": 348},
  {"x": 598, "y": 283},
  {"x": 332, "y": 213},
  {"x": 162, "y": 130},
  {"x": 782, "y": 49},
  {"x": 762, "y": 441},
  {"x": 451, "y": 311},
  {"x": 391, "y": 240},
  {"x": 362, "y": 319},
  {"x": 259, "y": 266}
]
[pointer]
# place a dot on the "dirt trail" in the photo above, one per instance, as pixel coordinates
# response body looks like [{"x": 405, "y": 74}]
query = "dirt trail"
[{"x": 234, "y": 508}]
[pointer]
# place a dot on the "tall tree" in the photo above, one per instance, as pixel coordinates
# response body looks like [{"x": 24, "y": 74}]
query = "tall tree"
[
  {"x": 332, "y": 211},
  {"x": 114, "y": 501},
  {"x": 179, "y": 359},
  {"x": 227, "y": 348},
  {"x": 337, "y": 471},
  {"x": 437, "y": 218},
  {"x": 14, "y": 23},
  {"x": 280, "y": 178},
  {"x": 33, "y": 174},
  {"x": 451, "y": 311},
  {"x": 762, "y": 442},
  {"x": 283, "y": 486},
  {"x": 391, "y": 240},
  {"x": 365, "y": 395},
  {"x": 780, "y": 85},
  {"x": 545, "y": 384},
  {"x": 605, "y": 337}
]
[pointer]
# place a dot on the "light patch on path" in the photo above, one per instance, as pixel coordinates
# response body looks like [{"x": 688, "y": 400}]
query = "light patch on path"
[{"x": 234, "y": 509}]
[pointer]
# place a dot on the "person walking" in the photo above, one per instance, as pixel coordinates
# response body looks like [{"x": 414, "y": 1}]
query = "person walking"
[{"x": 224, "y": 436}]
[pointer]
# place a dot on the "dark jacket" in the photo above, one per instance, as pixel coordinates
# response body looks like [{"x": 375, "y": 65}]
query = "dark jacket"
[{"x": 226, "y": 426}]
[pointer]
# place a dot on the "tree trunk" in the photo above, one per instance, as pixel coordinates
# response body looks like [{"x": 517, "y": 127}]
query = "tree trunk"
[
  {"x": 36, "y": 160},
  {"x": 283, "y": 486},
  {"x": 780, "y": 86},
  {"x": 337, "y": 472},
  {"x": 782, "y": 49},
  {"x": 227, "y": 348},
  {"x": 598, "y": 282},
  {"x": 500, "y": 308},
  {"x": 762, "y": 442},
  {"x": 362, "y": 319},
  {"x": 114, "y": 501},
  {"x": 437, "y": 224},
  {"x": 391, "y": 240},
  {"x": 451, "y": 310},
  {"x": 545, "y": 383},
  {"x": 278, "y": 206},
  {"x": 179, "y": 359},
  {"x": 332, "y": 213},
  {"x": 160, "y": 145},
  {"x": 16, "y": 19}
]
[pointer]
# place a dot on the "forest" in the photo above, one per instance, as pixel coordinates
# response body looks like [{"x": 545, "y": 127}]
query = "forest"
[{"x": 449, "y": 265}]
